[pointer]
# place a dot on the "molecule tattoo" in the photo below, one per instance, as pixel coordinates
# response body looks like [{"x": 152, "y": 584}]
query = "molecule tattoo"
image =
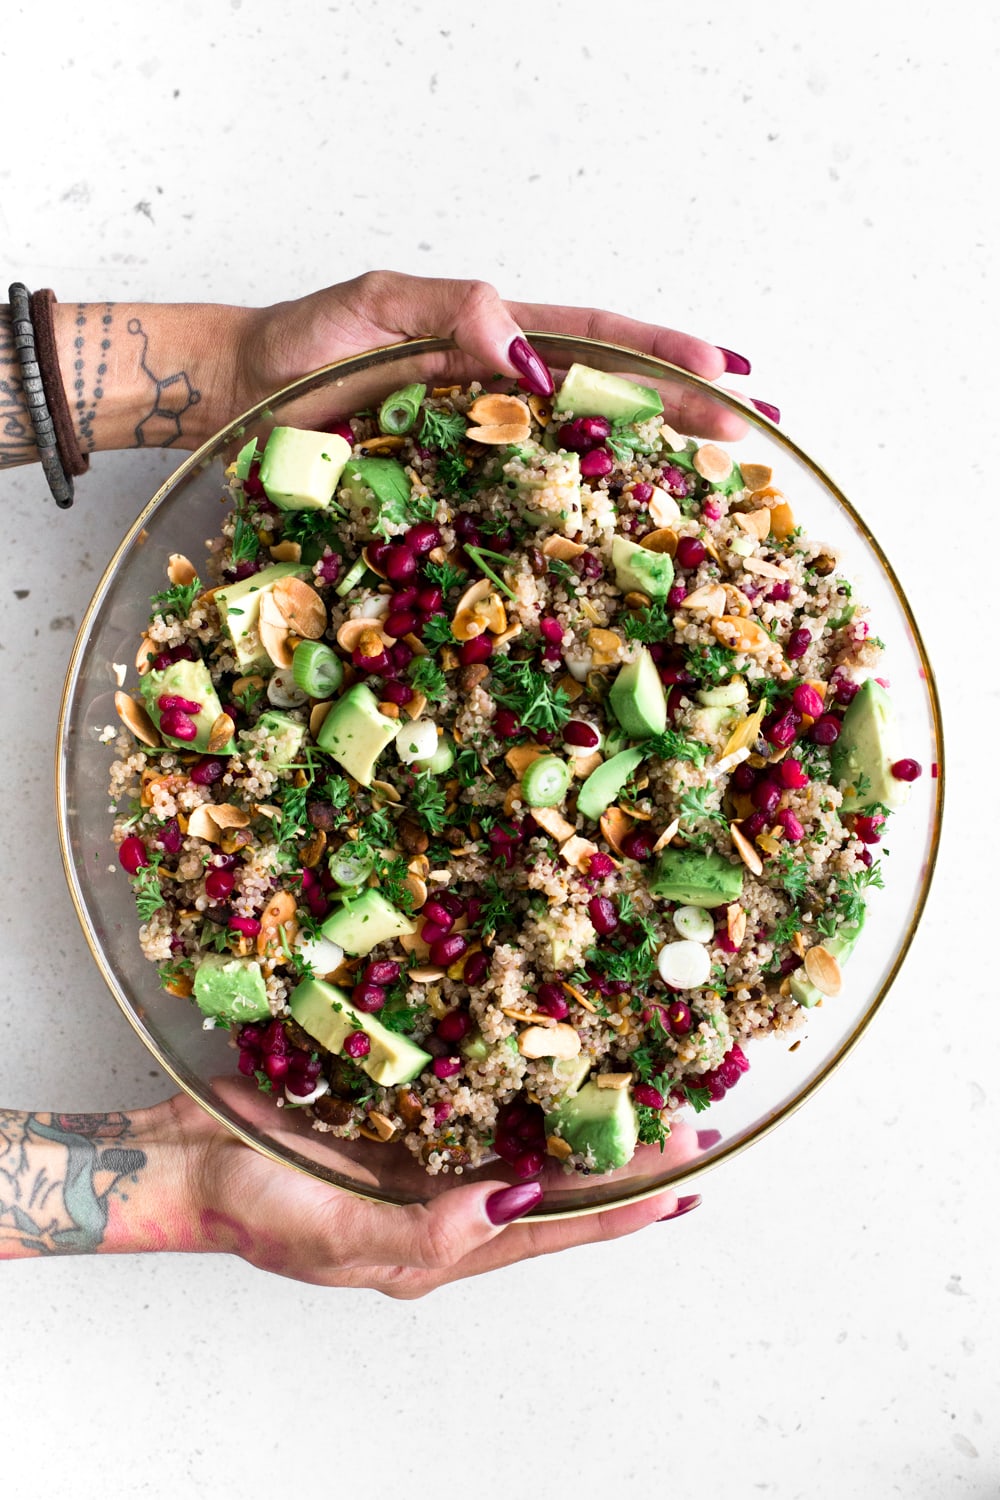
[{"x": 174, "y": 395}]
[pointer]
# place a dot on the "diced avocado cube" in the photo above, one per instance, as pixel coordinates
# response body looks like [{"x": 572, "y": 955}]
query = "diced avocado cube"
[
  {"x": 383, "y": 479},
  {"x": 605, "y": 782},
  {"x": 287, "y": 733},
  {"x": 325, "y": 1012},
  {"x": 571, "y": 1073},
  {"x": 638, "y": 569},
  {"x": 359, "y": 926},
  {"x": 602, "y": 1122},
  {"x": 637, "y": 698},
  {"x": 692, "y": 878},
  {"x": 191, "y": 681},
  {"x": 231, "y": 989},
  {"x": 592, "y": 393},
  {"x": 862, "y": 758},
  {"x": 300, "y": 470},
  {"x": 708, "y": 721},
  {"x": 475, "y": 1047},
  {"x": 355, "y": 733},
  {"x": 841, "y": 947},
  {"x": 245, "y": 458},
  {"x": 239, "y": 609}
]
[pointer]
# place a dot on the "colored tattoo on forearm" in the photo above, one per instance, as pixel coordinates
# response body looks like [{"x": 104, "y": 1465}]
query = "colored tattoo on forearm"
[
  {"x": 17, "y": 437},
  {"x": 59, "y": 1175},
  {"x": 173, "y": 395}
]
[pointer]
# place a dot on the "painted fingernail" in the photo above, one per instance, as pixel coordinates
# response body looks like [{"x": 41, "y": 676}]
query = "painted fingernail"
[
  {"x": 536, "y": 372},
  {"x": 771, "y": 412},
  {"x": 708, "y": 1138},
  {"x": 684, "y": 1206},
  {"x": 736, "y": 364},
  {"x": 511, "y": 1202}
]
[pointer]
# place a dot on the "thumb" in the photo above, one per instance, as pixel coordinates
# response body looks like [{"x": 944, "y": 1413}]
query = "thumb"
[{"x": 436, "y": 1236}]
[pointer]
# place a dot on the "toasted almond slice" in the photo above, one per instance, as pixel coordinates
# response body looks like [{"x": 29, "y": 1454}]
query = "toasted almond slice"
[
  {"x": 746, "y": 850},
  {"x": 799, "y": 944},
  {"x": 382, "y": 1126},
  {"x": 584, "y": 764},
  {"x": 275, "y": 640},
  {"x": 445, "y": 390},
  {"x": 136, "y": 720},
  {"x": 782, "y": 520},
  {"x": 769, "y": 843},
  {"x": 561, "y": 548},
  {"x": 755, "y": 476},
  {"x": 468, "y": 620},
  {"x": 495, "y": 409},
  {"x": 426, "y": 974},
  {"x": 350, "y": 633},
  {"x": 727, "y": 763},
  {"x": 520, "y": 757},
  {"x": 228, "y": 816},
  {"x": 745, "y": 735},
  {"x": 510, "y": 634},
  {"x": 494, "y": 612},
  {"x": 267, "y": 810},
  {"x": 386, "y": 442},
  {"x": 418, "y": 890},
  {"x": 712, "y": 463},
  {"x": 416, "y": 705},
  {"x": 528, "y": 1017},
  {"x": 742, "y": 635},
  {"x": 278, "y": 915},
  {"x": 615, "y": 824},
  {"x": 513, "y": 797},
  {"x": 313, "y": 850},
  {"x": 286, "y": 552},
  {"x": 765, "y": 569},
  {"x": 552, "y": 820},
  {"x": 675, "y": 442},
  {"x": 317, "y": 714},
  {"x": 559, "y": 1041},
  {"x": 220, "y": 734},
  {"x": 663, "y": 539},
  {"x": 577, "y": 852},
  {"x": 202, "y": 825},
  {"x": 146, "y": 650},
  {"x": 756, "y": 523},
  {"x": 669, "y": 833},
  {"x": 301, "y": 607},
  {"x": 613, "y": 1080},
  {"x": 541, "y": 409},
  {"x": 180, "y": 570},
  {"x": 711, "y": 598},
  {"x": 420, "y": 865},
  {"x": 385, "y": 789},
  {"x": 737, "y": 602},
  {"x": 736, "y": 924},
  {"x": 639, "y": 813},
  {"x": 557, "y": 1147},
  {"x": 635, "y": 600},
  {"x": 592, "y": 614},
  {"x": 412, "y": 942},
  {"x": 580, "y": 998},
  {"x": 663, "y": 508},
  {"x": 499, "y": 435},
  {"x": 823, "y": 971}
]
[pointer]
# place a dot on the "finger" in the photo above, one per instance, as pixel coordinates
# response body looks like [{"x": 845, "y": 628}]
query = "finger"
[{"x": 649, "y": 338}]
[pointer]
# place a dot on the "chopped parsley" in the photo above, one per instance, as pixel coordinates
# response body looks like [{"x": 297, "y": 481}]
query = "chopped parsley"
[
  {"x": 698, "y": 1098},
  {"x": 794, "y": 875},
  {"x": 653, "y": 1130},
  {"x": 428, "y": 802},
  {"x": 467, "y": 767},
  {"x": 177, "y": 600},
  {"x": 850, "y": 902},
  {"x": 532, "y": 696},
  {"x": 442, "y": 429},
  {"x": 495, "y": 905},
  {"x": 437, "y": 632},
  {"x": 670, "y": 745},
  {"x": 711, "y": 664},
  {"x": 146, "y": 886},
  {"x": 427, "y": 677},
  {"x": 649, "y": 625},
  {"x": 245, "y": 543},
  {"x": 445, "y": 575}
]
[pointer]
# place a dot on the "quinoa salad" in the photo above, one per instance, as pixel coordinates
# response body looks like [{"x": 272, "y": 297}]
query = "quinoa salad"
[{"x": 508, "y": 765}]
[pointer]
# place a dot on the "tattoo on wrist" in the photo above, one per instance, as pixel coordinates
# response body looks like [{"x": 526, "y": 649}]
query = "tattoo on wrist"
[
  {"x": 173, "y": 395},
  {"x": 86, "y": 405},
  {"x": 59, "y": 1174},
  {"x": 17, "y": 436}
]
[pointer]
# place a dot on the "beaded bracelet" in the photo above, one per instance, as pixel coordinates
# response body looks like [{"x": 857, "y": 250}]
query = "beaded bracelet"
[{"x": 34, "y": 396}]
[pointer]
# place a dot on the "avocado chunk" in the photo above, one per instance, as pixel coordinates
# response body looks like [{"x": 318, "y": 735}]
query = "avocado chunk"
[
  {"x": 547, "y": 487},
  {"x": 692, "y": 878},
  {"x": 841, "y": 946},
  {"x": 239, "y": 609},
  {"x": 571, "y": 1073},
  {"x": 638, "y": 569},
  {"x": 230, "y": 989},
  {"x": 355, "y": 733},
  {"x": 605, "y": 782},
  {"x": 592, "y": 393},
  {"x": 383, "y": 479},
  {"x": 325, "y": 1012},
  {"x": 189, "y": 680},
  {"x": 601, "y": 1122},
  {"x": 359, "y": 926},
  {"x": 637, "y": 698},
  {"x": 287, "y": 733},
  {"x": 245, "y": 458},
  {"x": 862, "y": 758},
  {"x": 300, "y": 470}
]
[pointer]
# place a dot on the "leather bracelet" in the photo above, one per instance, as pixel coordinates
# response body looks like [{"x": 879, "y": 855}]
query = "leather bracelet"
[
  {"x": 73, "y": 461},
  {"x": 34, "y": 396}
]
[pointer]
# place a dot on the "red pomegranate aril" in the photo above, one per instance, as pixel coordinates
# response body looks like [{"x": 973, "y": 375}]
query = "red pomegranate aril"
[
  {"x": 275, "y": 1066},
  {"x": 596, "y": 464},
  {"x": 779, "y": 593},
  {"x": 641, "y": 492},
  {"x": 342, "y": 429},
  {"x": 865, "y": 857},
  {"x": 576, "y": 732},
  {"x": 600, "y": 866},
  {"x": 328, "y": 568},
  {"x": 219, "y": 884},
  {"x": 679, "y": 1017},
  {"x": 454, "y": 1026},
  {"x": 422, "y": 538},
  {"x": 478, "y": 650},
  {"x": 790, "y": 823},
  {"x": 678, "y": 593},
  {"x": 403, "y": 599},
  {"x": 250, "y": 1038},
  {"x": 446, "y": 1067},
  {"x": 370, "y": 663},
  {"x": 382, "y": 971},
  {"x": 207, "y": 771},
  {"x": 178, "y": 725},
  {"x": 466, "y": 529},
  {"x": 670, "y": 676},
  {"x": 552, "y": 653},
  {"x": 690, "y": 552},
  {"x": 806, "y": 699},
  {"x": 551, "y": 630},
  {"x": 744, "y": 777},
  {"x": 846, "y": 691},
  {"x": 167, "y": 701},
  {"x": 437, "y": 914},
  {"x": 676, "y": 480},
  {"x": 781, "y": 731},
  {"x": 476, "y": 968},
  {"x": 430, "y": 599},
  {"x": 792, "y": 774},
  {"x": 676, "y": 699},
  {"x": 506, "y": 724},
  {"x": 712, "y": 510},
  {"x": 825, "y": 731},
  {"x": 575, "y": 438},
  {"x": 377, "y": 553},
  {"x": 552, "y": 1002},
  {"x": 648, "y": 1097},
  {"x": 603, "y": 915},
  {"x": 528, "y": 1163},
  {"x": 400, "y": 622},
  {"x": 452, "y": 903},
  {"x": 766, "y": 795},
  {"x": 401, "y": 655},
  {"x": 442, "y": 1112},
  {"x": 132, "y": 855},
  {"x": 906, "y": 770},
  {"x": 357, "y": 1044},
  {"x": 169, "y": 837},
  {"x": 755, "y": 824},
  {"x": 400, "y": 564},
  {"x": 594, "y": 428},
  {"x": 249, "y": 926},
  {"x": 446, "y": 951},
  {"x": 588, "y": 565},
  {"x": 368, "y": 997},
  {"x": 869, "y": 828},
  {"x": 397, "y": 692},
  {"x": 798, "y": 643},
  {"x": 637, "y": 845}
]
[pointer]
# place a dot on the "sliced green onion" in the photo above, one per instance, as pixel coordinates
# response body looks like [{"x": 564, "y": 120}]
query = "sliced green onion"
[
  {"x": 477, "y": 554},
  {"x": 316, "y": 669},
  {"x": 398, "y": 412},
  {"x": 695, "y": 923},
  {"x": 354, "y": 575},
  {"x": 442, "y": 760},
  {"x": 546, "y": 781},
  {"x": 245, "y": 458},
  {"x": 350, "y": 867}
]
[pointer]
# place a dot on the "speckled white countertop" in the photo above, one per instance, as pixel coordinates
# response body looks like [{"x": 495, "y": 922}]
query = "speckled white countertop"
[{"x": 812, "y": 189}]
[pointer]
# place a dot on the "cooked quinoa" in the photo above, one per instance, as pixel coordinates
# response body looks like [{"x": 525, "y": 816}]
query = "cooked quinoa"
[{"x": 490, "y": 603}]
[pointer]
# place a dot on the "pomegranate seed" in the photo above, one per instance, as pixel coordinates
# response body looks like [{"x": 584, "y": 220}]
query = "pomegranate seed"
[
  {"x": 448, "y": 950},
  {"x": 807, "y": 700},
  {"x": 249, "y": 926},
  {"x": 329, "y": 567},
  {"x": 826, "y": 730},
  {"x": 378, "y": 552},
  {"x": 178, "y": 725},
  {"x": 528, "y": 1163},
  {"x": 170, "y": 837},
  {"x": 588, "y": 565},
  {"x": 400, "y": 655},
  {"x": 779, "y": 593},
  {"x": 437, "y": 915},
  {"x": 596, "y": 464},
  {"x": 744, "y": 777},
  {"x": 219, "y": 884},
  {"x": 341, "y": 429},
  {"x": 400, "y": 622},
  {"x": 466, "y": 529},
  {"x": 397, "y": 692},
  {"x": 798, "y": 643},
  {"x": 442, "y": 1112},
  {"x": 429, "y": 599},
  {"x": 370, "y": 663},
  {"x": 637, "y": 844},
  {"x": 401, "y": 563},
  {"x": 551, "y": 630},
  {"x": 506, "y": 724},
  {"x": 792, "y": 774},
  {"x": 781, "y": 731},
  {"x": 641, "y": 492},
  {"x": 476, "y": 968},
  {"x": 646, "y": 1095},
  {"x": 368, "y": 997},
  {"x": 766, "y": 795},
  {"x": 865, "y": 857},
  {"x": 403, "y": 599},
  {"x": 249, "y": 1037},
  {"x": 244, "y": 570},
  {"x": 675, "y": 480},
  {"x": 755, "y": 824},
  {"x": 679, "y": 1017},
  {"x": 676, "y": 699},
  {"x": 167, "y": 701},
  {"x": 790, "y": 823},
  {"x": 846, "y": 691},
  {"x": 478, "y": 650},
  {"x": 869, "y": 828},
  {"x": 446, "y": 1067},
  {"x": 670, "y": 675},
  {"x": 452, "y": 903},
  {"x": 690, "y": 552},
  {"x": 603, "y": 915},
  {"x": 207, "y": 771},
  {"x": 132, "y": 854},
  {"x": 275, "y": 1066},
  {"x": 454, "y": 1026},
  {"x": 382, "y": 971},
  {"x": 551, "y": 1001},
  {"x": 576, "y": 732},
  {"x": 422, "y": 538},
  {"x": 357, "y": 1044},
  {"x": 677, "y": 595},
  {"x": 600, "y": 866},
  {"x": 712, "y": 510},
  {"x": 906, "y": 770}
]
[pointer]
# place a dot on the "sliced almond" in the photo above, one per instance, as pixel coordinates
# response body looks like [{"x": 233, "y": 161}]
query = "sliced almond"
[
  {"x": 554, "y": 823},
  {"x": 440, "y": 391},
  {"x": 180, "y": 570},
  {"x": 782, "y": 520},
  {"x": 380, "y": 1126},
  {"x": 557, "y": 1147},
  {"x": 746, "y": 733},
  {"x": 712, "y": 463},
  {"x": 742, "y": 635},
  {"x": 504, "y": 636},
  {"x": 267, "y": 810},
  {"x": 560, "y": 1041},
  {"x": 147, "y": 649},
  {"x": 737, "y": 602},
  {"x": 350, "y": 633},
  {"x": 418, "y": 890},
  {"x": 756, "y": 523},
  {"x": 286, "y": 552},
  {"x": 664, "y": 539},
  {"x": 494, "y": 612},
  {"x": 469, "y": 620},
  {"x": 769, "y": 843},
  {"x": 578, "y": 852},
  {"x": 765, "y": 569},
  {"x": 799, "y": 944},
  {"x": 663, "y": 508},
  {"x": 228, "y": 816},
  {"x": 252, "y": 684},
  {"x": 580, "y": 998},
  {"x": 711, "y": 598},
  {"x": 494, "y": 437},
  {"x": 385, "y": 789},
  {"x": 301, "y": 607},
  {"x": 727, "y": 763},
  {"x": 592, "y": 613},
  {"x": 313, "y": 850},
  {"x": 416, "y": 705},
  {"x": 528, "y": 1017},
  {"x": 496, "y": 410},
  {"x": 220, "y": 734},
  {"x": 823, "y": 971},
  {"x": 136, "y": 720},
  {"x": 615, "y": 824},
  {"x": 278, "y": 916},
  {"x": 275, "y": 640},
  {"x": 386, "y": 442},
  {"x": 317, "y": 714},
  {"x": 669, "y": 833},
  {"x": 615, "y": 1081},
  {"x": 201, "y": 825},
  {"x": 584, "y": 764},
  {"x": 746, "y": 850},
  {"x": 426, "y": 974},
  {"x": 673, "y": 439},
  {"x": 639, "y": 813},
  {"x": 418, "y": 648},
  {"x": 755, "y": 476},
  {"x": 412, "y": 942},
  {"x": 421, "y": 865},
  {"x": 520, "y": 757},
  {"x": 562, "y": 548},
  {"x": 541, "y": 409},
  {"x": 736, "y": 924}
]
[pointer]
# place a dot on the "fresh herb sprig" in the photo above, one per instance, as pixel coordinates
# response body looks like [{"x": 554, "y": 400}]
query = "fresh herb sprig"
[
  {"x": 177, "y": 600},
  {"x": 427, "y": 677},
  {"x": 147, "y": 889},
  {"x": 442, "y": 429},
  {"x": 428, "y": 802},
  {"x": 650, "y": 625},
  {"x": 532, "y": 696},
  {"x": 672, "y": 745}
]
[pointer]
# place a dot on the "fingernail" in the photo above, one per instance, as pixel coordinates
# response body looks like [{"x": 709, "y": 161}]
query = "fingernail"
[
  {"x": 511, "y": 1202},
  {"x": 736, "y": 364},
  {"x": 771, "y": 412},
  {"x": 708, "y": 1138},
  {"x": 534, "y": 369},
  {"x": 684, "y": 1206}
]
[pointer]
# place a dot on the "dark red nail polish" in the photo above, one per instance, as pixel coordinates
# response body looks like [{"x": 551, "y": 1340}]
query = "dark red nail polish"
[
  {"x": 510, "y": 1203},
  {"x": 771, "y": 412},
  {"x": 736, "y": 364},
  {"x": 708, "y": 1138},
  {"x": 533, "y": 368},
  {"x": 684, "y": 1206}
]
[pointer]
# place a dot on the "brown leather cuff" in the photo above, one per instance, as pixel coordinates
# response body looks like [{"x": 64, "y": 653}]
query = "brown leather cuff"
[{"x": 73, "y": 461}]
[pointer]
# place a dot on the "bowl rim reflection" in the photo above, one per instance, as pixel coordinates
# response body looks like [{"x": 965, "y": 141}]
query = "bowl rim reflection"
[{"x": 388, "y": 354}]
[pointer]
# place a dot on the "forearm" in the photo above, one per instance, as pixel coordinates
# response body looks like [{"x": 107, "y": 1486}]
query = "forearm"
[{"x": 136, "y": 375}]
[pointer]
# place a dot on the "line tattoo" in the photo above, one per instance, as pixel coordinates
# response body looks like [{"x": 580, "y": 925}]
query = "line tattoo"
[
  {"x": 172, "y": 397},
  {"x": 17, "y": 436},
  {"x": 59, "y": 1174}
]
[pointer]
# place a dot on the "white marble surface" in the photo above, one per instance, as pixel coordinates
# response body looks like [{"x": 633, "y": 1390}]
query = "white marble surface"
[{"x": 813, "y": 189}]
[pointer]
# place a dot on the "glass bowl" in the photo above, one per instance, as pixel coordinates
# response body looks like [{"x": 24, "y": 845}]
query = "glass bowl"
[{"x": 186, "y": 511}]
